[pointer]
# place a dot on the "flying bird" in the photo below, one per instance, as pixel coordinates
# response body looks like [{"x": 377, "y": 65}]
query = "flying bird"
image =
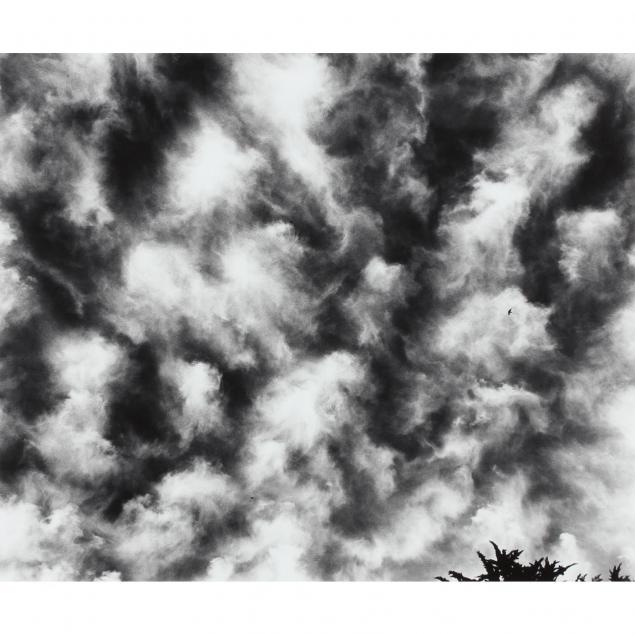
[{"x": 509, "y": 312}]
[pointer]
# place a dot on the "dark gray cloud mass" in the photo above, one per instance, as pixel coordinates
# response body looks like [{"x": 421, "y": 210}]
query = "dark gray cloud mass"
[{"x": 255, "y": 314}]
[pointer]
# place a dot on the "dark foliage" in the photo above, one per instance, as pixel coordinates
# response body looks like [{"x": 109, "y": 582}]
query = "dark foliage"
[{"x": 505, "y": 567}]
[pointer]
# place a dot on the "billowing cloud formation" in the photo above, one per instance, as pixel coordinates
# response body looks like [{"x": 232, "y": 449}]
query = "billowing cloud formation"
[{"x": 255, "y": 314}]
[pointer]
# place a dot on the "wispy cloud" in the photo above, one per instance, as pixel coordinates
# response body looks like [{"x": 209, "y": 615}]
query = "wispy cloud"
[{"x": 255, "y": 314}]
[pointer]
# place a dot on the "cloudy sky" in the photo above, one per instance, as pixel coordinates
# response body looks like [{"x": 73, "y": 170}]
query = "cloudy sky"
[{"x": 255, "y": 321}]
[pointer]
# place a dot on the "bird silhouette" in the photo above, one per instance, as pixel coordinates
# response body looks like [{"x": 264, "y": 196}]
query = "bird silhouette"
[{"x": 509, "y": 312}]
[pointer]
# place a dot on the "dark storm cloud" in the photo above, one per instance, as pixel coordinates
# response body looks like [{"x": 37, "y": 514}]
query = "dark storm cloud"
[
  {"x": 152, "y": 104},
  {"x": 28, "y": 386},
  {"x": 376, "y": 118},
  {"x": 68, "y": 262},
  {"x": 602, "y": 181},
  {"x": 362, "y": 511},
  {"x": 256, "y": 312},
  {"x": 139, "y": 405},
  {"x": 463, "y": 117}
]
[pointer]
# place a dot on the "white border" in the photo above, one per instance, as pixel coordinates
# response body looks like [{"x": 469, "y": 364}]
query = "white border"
[
  {"x": 315, "y": 608},
  {"x": 309, "y": 26},
  {"x": 317, "y": 26}
]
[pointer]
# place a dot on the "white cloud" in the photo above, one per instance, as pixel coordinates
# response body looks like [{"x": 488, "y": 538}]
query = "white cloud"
[
  {"x": 34, "y": 547},
  {"x": 483, "y": 333},
  {"x": 71, "y": 437},
  {"x": 383, "y": 288},
  {"x": 299, "y": 408},
  {"x": 509, "y": 520},
  {"x": 216, "y": 257},
  {"x": 212, "y": 169},
  {"x": 15, "y": 293},
  {"x": 287, "y": 94},
  {"x": 199, "y": 388},
  {"x": 590, "y": 241},
  {"x": 156, "y": 531},
  {"x": 541, "y": 144},
  {"x": 412, "y": 527},
  {"x": 274, "y": 551},
  {"x": 16, "y": 136},
  {"x": 256, "y": 292},
  {"x": 480, "y": 235}
]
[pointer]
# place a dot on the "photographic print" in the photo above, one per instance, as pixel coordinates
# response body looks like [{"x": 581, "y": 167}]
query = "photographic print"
[{"x": 317, "y": 317}]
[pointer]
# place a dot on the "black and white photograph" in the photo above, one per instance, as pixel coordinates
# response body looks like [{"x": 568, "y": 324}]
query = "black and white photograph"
[
  {"x": 309, "y": 312},
  {"x": 317, "y": 317}
]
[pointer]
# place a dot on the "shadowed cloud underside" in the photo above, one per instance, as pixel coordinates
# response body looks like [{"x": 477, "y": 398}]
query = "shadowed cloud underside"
[{"x": 330, "y": 317}]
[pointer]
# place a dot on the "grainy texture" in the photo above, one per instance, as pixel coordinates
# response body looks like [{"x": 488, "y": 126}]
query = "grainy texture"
[{"x": 255, "y": 314}]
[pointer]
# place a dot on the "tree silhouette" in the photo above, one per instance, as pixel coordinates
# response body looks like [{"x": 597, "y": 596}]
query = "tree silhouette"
[{"x": 505, "y": 567}]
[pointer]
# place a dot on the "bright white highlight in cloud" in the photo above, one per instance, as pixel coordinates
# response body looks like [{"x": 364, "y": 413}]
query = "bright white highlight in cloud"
[
  {"x": 314, "y": 317},
  {"x": 288, "y": 94},
  {"x": 213, "y": 169}
]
